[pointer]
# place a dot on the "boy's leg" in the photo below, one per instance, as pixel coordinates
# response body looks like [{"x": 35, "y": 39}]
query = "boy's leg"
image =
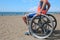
[
  {"x": 29, "y": 16},
  {"x": 25, "y": 18}
]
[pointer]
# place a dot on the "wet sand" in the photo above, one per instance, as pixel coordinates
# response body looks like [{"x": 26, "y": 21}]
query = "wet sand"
[{"x": 13, "y": 28}]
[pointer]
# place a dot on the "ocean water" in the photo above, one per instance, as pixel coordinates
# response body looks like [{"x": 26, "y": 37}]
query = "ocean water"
[
  {"x": 20, "y": 13},
  {"x": 11, "y": 13}
]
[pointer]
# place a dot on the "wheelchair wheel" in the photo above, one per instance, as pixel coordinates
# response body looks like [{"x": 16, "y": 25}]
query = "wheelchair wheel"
[
  {"x": 54, "y": 20},
  {"x": 41, "y": 26}
]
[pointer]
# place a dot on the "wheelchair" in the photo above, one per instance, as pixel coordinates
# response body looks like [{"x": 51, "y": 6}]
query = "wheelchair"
[{"x": 42, "y": 26}]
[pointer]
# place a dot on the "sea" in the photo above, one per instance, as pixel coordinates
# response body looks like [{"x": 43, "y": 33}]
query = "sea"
[
  {"x": 11, "y": 13},
  {"x": 21, "y": 13}
]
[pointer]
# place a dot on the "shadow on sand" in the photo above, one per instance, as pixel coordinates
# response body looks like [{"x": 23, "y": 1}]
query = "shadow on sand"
[{"x": 55, "y": 35}]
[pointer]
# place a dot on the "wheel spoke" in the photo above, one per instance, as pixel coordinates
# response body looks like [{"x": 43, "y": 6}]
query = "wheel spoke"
[{"x": 35, "y": 23}]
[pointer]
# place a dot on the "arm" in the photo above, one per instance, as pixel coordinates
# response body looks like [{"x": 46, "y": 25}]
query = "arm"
[
  {"x": 48, "y": 6},
  {"x": 44, "y": 3}
]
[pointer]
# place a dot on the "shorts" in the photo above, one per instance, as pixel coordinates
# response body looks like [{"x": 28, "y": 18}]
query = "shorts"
[{"x": 30, "y": 15}]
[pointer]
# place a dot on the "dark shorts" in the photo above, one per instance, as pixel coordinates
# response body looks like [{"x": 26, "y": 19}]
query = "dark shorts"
[{"x": 31, "y": 15}]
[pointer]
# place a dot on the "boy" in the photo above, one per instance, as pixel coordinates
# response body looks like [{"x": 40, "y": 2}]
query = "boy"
[{"x": 41, "y": 9}]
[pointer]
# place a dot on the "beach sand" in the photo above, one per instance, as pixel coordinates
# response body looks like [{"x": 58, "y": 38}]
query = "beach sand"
[{"x": 13, "y": 28}]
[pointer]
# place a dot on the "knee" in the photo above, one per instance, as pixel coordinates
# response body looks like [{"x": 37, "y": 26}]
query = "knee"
[{"x": 24, "y": 17}]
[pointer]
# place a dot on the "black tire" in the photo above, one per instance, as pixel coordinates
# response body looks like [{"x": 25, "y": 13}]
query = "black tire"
[
  {"x": 55, "y": 25},
  {"x": 40, "y": 36}
]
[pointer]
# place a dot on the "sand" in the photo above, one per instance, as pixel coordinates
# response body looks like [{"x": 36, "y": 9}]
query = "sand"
[{"x": 13, "y": 28}]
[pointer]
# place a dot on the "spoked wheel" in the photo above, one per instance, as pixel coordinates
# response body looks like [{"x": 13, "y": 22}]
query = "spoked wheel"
[
  {"x": 41, "y": 26},
  {"x": 54, "y": 20}
]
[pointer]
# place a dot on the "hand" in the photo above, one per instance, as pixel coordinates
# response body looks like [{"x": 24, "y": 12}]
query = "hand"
[{"x": 38, "y": 14}]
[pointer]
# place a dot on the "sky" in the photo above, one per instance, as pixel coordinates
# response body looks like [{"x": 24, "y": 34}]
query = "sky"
[{"x": 26, "y": 5}]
